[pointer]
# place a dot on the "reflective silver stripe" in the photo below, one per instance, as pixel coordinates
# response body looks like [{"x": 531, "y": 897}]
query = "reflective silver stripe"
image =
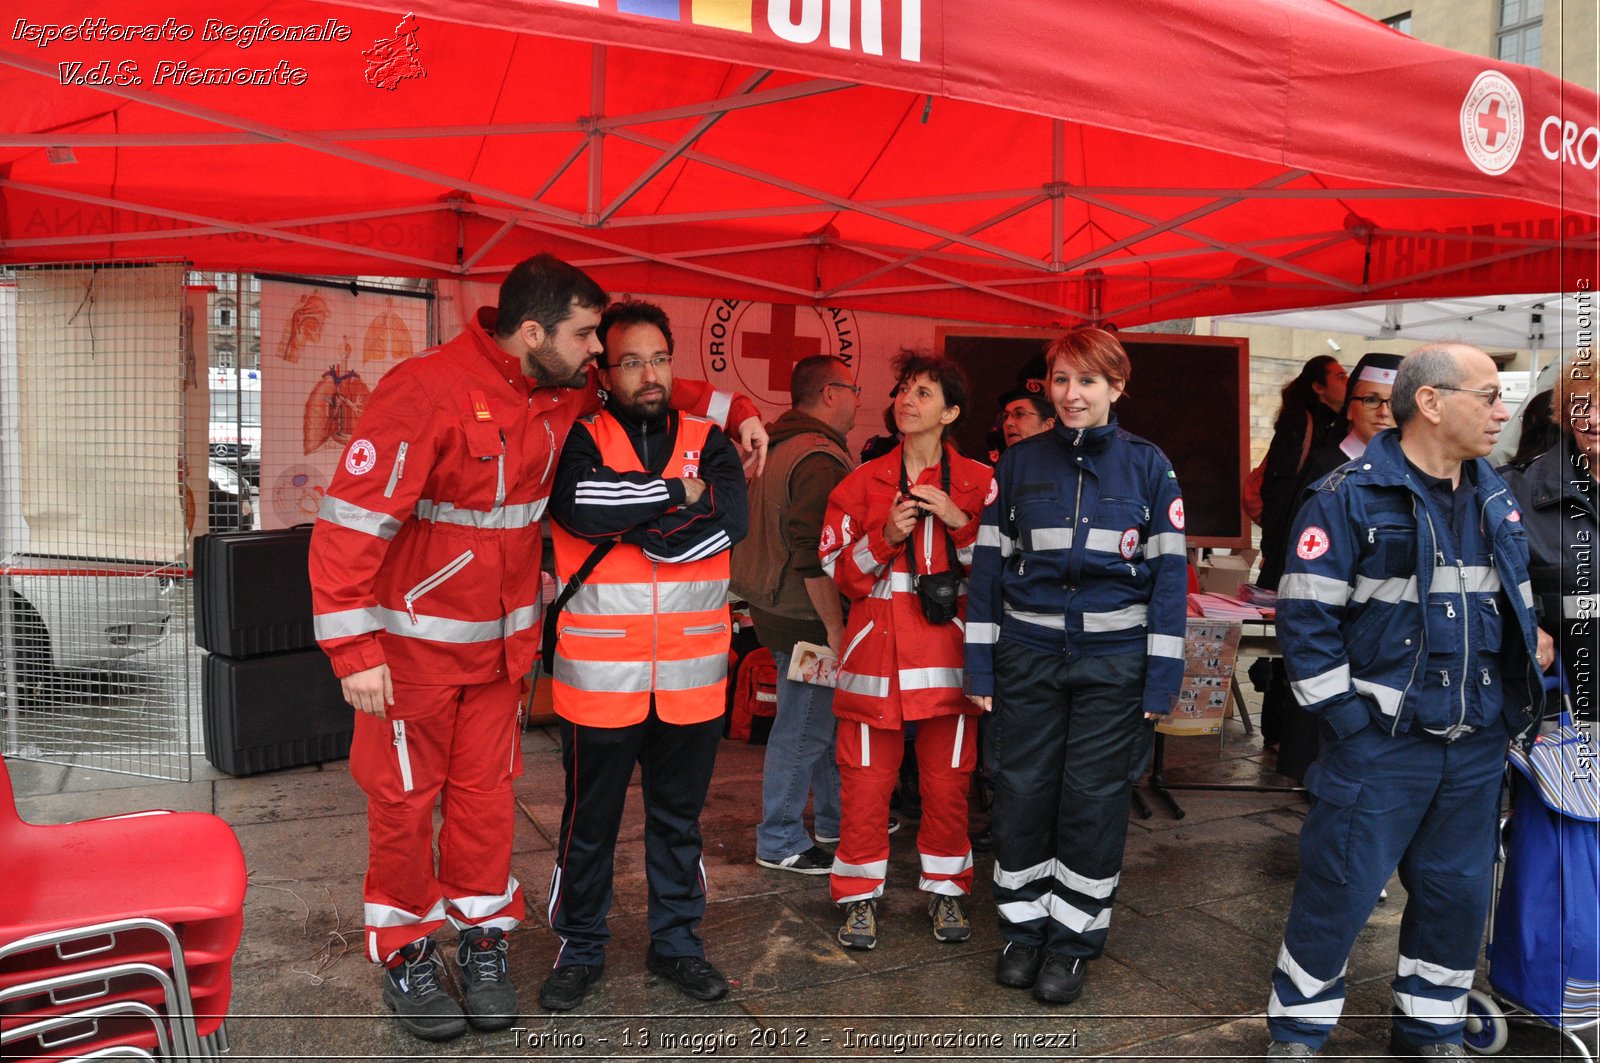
[
  {"x": 1432, "y": 1010},
  {"x": 1022, "y": 911},
  {"x": 482, "y": 907},
  {"x": 866, "y": 746},
  {"x": 1098, "y": 888},
  {"x": 1388, "y": 698},
  {"x": 945, "y": 865},
  {"x": 1074, "y": 918},
  {"x": 1305, "y": 983},
  {"x": 871, "y": 686},
  {"x": 892, "y": 584},
  {"x": 1322, "y": 1013},
  {"x": 604, "y": 677},
  {"x": 1164, "y": 646},
  {"x": 441, "y": 628},
  {"x": 929, "y": 678},
  {"x": 522, "y": 515},
  {"x": 719, "y": 407},
  {"x": 989, "y": 535},
  {"x": 1579, "y": 606},
  {"x": 398, "y": 470},
  {"x": 1130, "y": 616},
  {"x": 876, "y": 869},
  {"x": 1480, "y": 579},
  {"x": 955, "y": 747},
  {"x": 964, "y": 554},
  {"x": 1050, "y": 539},
  {"x": 1304, "y": 586},
  {"x": 982, "y": 634},
  {"x": 1165, "y": 544},
  {"x": 861, "y": 554},
  {"x": 1015, "y": 880},
  {"x": 521, "y": 619},
  {"x": 694, "y": 596},
  {"x": 1435, "y": 973},
  {"x": 939, "y": 885},
  {"x": 1104, "y": 540},
  {"x": 691, "y": 673},
  {"x": 1397, "y": 589},
  {"x": 349, "y": 515},
  {"x": 1052, "y": 620},
  {"x": 1329, "y": 684},
  {"x": 1527, "y": 593},
  {"x": 385, "y": 915},
  {"x": 402, "y": 753},
  {"x": 345, "y": 623}
]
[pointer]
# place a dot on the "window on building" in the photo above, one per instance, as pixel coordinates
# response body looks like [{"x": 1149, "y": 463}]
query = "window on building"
[
  {"x": 1401, "y": 22},
  {"x": 1519, "y": 37}
]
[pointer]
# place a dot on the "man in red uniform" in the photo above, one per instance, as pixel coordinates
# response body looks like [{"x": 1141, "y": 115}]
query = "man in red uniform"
[{"x": 425, "y": 581}]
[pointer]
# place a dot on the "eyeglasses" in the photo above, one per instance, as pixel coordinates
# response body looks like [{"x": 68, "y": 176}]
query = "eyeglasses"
[
  {"x": 1490, "y": 396},
  {"x": 636, "y": 365},
  {"x": 855, "y": 389},
  {"x": 1371, "y": 402}
]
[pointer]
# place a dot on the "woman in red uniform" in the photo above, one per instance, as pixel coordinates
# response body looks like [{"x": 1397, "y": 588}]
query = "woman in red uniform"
[{"x": 897, "y": 540}]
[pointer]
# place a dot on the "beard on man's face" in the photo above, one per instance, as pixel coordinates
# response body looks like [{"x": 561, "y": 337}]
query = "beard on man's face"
[{"x": 545, "y": 364}]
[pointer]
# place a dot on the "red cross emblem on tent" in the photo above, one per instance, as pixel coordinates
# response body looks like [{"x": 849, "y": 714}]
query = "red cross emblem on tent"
[
  {"x": 1313, "y": 543},
  {"x": 1492, "y": 123}
]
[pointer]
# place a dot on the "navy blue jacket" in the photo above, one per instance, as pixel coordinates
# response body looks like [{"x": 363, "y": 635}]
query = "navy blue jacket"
[
  {"x": 1378, "y": 626},
  {"x": 1081, "y": 553}
]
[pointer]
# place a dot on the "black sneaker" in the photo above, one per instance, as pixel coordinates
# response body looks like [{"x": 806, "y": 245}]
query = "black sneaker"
[
  {"x": 411, "y": 989},
  {"x": 1018, "y": 965},
  {"x": 1060, "y": 980},
  {"x": 567, "y": 986},
  {"x": 486, "y": 991},
  {"x": 692, "y": 974},
  {"x": 814, "y": 861}
]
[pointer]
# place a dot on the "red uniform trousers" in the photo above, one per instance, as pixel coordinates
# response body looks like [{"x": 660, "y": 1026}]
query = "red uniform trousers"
[
  {"x": 869, "y": 766},
  {"x": 455, "y": 745}
]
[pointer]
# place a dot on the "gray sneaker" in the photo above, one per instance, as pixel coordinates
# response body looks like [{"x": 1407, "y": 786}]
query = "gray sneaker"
[
  {"x": 411, "y": 989},
  {"x": 486, "y": 989},
  {"x": 1291, "y": 1050},
  {"x": 949, "y": 921},
  {"x": 860, "y": 927}
]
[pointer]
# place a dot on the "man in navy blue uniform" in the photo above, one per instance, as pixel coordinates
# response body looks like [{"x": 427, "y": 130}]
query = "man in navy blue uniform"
[{"x": 1405, "y": 616}]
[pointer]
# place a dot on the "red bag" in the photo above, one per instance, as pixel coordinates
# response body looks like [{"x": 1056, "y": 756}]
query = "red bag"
[
  {"x": 755, "y": 697},
  {"x": 1252, "y": 492}
]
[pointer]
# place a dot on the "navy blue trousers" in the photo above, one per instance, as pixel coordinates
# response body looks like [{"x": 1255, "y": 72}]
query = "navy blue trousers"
[
  {"x": 675, "y": 764},
  {"x": 1382, "y": 802}
]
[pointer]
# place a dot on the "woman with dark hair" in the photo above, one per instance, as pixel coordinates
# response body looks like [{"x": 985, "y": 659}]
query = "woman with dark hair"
[
  {"x": 1309, "y": 418},
  {"x": 1075, "y": 640},
  {"x": 1560, "y": 495},
  {"x": 897, "y": 539},
  {"x": 1539, "y": 431}
]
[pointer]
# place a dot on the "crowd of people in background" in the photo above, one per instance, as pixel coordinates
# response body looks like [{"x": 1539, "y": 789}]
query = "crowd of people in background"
[{"x": 1020, "y": 620}]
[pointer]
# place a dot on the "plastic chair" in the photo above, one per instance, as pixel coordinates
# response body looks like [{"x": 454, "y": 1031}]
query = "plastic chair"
[
  {"x": 164, "y": 889},
  {"x": 95, "y": 1025}
]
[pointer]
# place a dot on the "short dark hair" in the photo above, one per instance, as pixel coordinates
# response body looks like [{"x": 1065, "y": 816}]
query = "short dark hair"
[
  {"x": 950, "y": 377},
  {"x": 1432, "y": 365},
  {"x": 632, "y": 312},
  {"x": 810, "y": 377},
  {"x": 543, "y": 289}
]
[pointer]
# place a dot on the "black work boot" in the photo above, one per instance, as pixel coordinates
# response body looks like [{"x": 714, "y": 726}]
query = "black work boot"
[
  {"x": 411, "y": 989},
  {"x": 486, "y": 990}
]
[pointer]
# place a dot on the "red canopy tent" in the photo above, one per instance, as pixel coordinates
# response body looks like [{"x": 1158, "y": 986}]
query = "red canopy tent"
[{"x": 1005, "y": 161}]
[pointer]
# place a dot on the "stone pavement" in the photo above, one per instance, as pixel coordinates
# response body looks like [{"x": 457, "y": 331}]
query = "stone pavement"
[{"x": 1185, "y": 975}]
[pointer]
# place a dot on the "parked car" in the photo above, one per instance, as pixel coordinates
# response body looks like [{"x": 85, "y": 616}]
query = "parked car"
[
  {"x": 65, "y": 614},
  {"x": 231, "y": 509}
]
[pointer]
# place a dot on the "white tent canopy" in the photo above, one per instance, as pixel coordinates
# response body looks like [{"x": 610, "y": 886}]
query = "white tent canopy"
[{"x": 1503, "y": 322}]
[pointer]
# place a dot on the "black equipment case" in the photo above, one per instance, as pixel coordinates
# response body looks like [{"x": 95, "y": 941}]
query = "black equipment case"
[
  {"x": 273, "y": 712},
  {"x": 252, "y": 592}
]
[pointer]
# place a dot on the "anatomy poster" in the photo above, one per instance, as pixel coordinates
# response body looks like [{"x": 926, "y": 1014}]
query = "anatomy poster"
[{"x": 323, "y": 351}]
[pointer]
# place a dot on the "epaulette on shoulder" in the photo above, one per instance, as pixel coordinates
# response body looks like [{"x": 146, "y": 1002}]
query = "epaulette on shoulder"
[
  {"x": 1332, "y": 481},
  {"x": 589, "y": 420}
]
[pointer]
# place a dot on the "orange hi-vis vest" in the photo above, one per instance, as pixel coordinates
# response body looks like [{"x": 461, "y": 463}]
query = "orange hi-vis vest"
[{"x": 639, "y": 627}]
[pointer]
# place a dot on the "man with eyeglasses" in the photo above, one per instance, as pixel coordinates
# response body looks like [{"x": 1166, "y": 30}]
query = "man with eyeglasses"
[
  {"x": 1406, "y": 621},
  {"x": 647, "y": 504},
  {"x": 778, "y": 571}
]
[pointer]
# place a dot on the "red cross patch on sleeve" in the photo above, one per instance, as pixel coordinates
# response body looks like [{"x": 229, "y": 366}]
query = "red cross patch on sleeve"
[{"x": 1313, "y": 543}]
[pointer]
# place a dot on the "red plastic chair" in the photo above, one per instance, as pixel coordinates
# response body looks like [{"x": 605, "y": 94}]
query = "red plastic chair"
[{"x": 163, "y": 889}]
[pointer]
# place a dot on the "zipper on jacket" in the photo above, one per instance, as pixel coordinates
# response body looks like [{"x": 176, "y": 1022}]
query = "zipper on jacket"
[
  {"x": 655, "y": 624},
  {"x": 516, "y": 741},
  {"x": 402, "y": 754},
  {"x": 399, "y": 470},
  {"x": 848, "y": 650},
  {"x": 433, "y": 581},
  {"x": 550, "y": 436},
  {"x": 500, "y": 476},
  {"x": 1422, "y": 640},
  {"x": 1466, "y": 639}
]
